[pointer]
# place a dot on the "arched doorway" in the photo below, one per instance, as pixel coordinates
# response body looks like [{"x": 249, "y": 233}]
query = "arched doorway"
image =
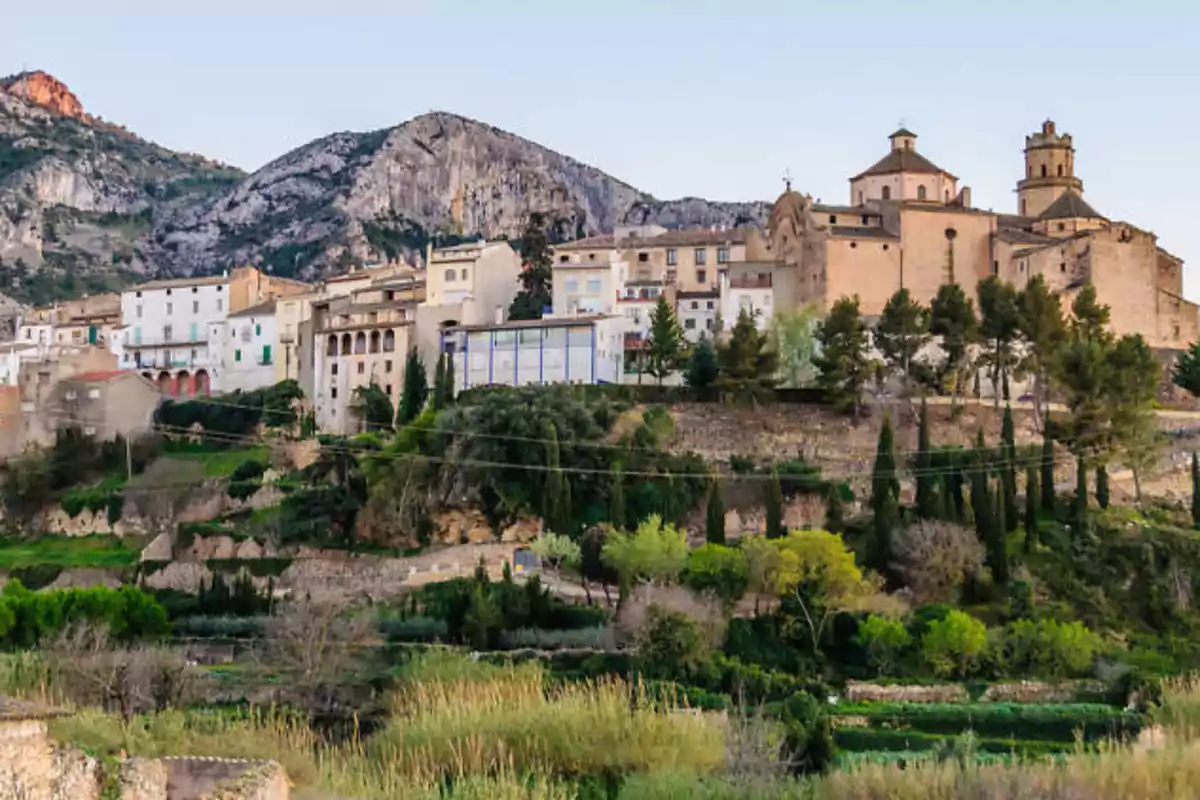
[
  {"x": 202, "y": 383},
  {"x": 165, "y": 384},
  {"x": 183, "y": 384}
]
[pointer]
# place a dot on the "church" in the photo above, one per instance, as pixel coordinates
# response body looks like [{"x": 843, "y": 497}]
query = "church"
[{"x": 908, "y": 224}]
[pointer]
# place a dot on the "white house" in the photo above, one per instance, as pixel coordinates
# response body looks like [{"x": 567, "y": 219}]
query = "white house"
[
  {"x": 247, "y": 339},
  {"x": 579, "y": 349},
  {"x": 588, "y": 283},
  {"x": 167, "y": 327},
  {"x": 637, "y": 300},
  {"x": 748, "y": 286},
  {"x": 697, "y": 313}
]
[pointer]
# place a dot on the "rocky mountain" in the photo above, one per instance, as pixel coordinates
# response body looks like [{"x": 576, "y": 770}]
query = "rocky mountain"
[{"x": 79, "y": 196}]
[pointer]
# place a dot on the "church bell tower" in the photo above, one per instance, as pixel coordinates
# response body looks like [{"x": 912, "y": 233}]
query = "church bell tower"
[{"x": 1049, "y": 170}]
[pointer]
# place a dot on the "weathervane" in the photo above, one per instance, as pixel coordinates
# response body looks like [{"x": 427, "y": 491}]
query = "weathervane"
[{"x": 787, "y": 179}]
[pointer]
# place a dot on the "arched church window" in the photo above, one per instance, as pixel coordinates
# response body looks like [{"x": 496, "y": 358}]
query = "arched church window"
[
  {"x": 1043, "y": 170},
  {"x": 1060, "y": 170},
  {"x": 887, "y": 193},
  {"x": 921, "y": 192}
]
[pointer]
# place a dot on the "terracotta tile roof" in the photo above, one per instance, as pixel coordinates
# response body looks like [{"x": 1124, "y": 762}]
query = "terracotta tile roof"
[
  {"x": 902, "y": 160},
  {"x": 263, "y": 309},
  {"x": 173, "y": 283},
  {"x": 681, "y": 238},
  {"x": 1018, "y": 236},
  {"x": 1070, "y": 205},
  {"x": 903, "y": 132}
]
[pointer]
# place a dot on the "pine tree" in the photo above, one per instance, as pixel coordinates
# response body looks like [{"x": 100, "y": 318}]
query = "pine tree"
[
  {"x": 902, "y": 330},
  {"x": 1102, "y": 486},
  {"x": 885, "y": 494},
  {"x": 616, "y": 501},
  {"x": 1008, "y": 444},
  {"x": 439, "y": 383},
  {"x": 665, "y": 346},
  {"x": 537, "y": 270},
  {"x": 952, "y": 317},
  {"x": 843, "y": 363},
  {"x": 774, "y": 507},
  {"x": 747, "y": 363},
  {"x": 1195, "y": 491},
  {"x": 702, "y": 369},
  {"x": 927, "y": 501},
  {"x": 415, "y": 391},
  {"x": 1031, "y": 504},
  {"x": 1186, "y": 374},
  {"x": 714, "y": 527},
  {"x": 1047, "y": 470}
]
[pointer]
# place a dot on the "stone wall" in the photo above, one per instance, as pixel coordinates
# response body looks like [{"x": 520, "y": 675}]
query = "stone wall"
[
  {"x": 26, "y": 760},
  {"x": 202, "y": 779}
]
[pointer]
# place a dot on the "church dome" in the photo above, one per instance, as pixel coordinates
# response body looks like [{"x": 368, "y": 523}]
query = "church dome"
[{"x": 791, "y": 205}]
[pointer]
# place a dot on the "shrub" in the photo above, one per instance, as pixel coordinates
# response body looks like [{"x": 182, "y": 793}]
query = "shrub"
[
  {"x": 415, "y": 629},
  {"x": 719, "y": 570},
  {"x": 1036, "y": 721},
  {"x": 1056, "y": 649},
  {"x": 933, "y": 558},
  {"x": 27, "y": 618},
  {"x": 808, "y": 739},
  {"x": 953, "y": 646},
  {"x": 670, "y": 645},
  {"x": 577, "y": 639},
  {"x": 220, "y": 627},
  {"x": 883, "y": 639}
]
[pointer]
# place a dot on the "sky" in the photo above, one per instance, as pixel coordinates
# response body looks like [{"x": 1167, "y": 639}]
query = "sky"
[{"x": 677, "y": 97}]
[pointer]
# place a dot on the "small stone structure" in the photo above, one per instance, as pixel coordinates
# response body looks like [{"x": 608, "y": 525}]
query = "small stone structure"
[{"x": 34, "y": 768}]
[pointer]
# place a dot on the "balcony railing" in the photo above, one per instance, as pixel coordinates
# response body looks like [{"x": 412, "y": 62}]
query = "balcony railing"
[{"x": 750, "y": 282}]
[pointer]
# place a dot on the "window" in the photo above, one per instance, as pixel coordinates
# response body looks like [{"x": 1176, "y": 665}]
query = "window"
[
  {"x": 166, "y": 333},
  {"x": 885, "y": 247},
  {"x": 591, "y": 256},
  {"x": 389, "y": 295},
  {"x": 360, "y": 343},
  {"x": 70, "y": 394},
  {"x": 701, "y": 276},
  {"x": 643, "y": 257},
  {"x": 722, "y": 255},
  {"x": 361, "y": 368},
  {"x": 219, "y": 288},
  {"x": 331, "y": 346},
  {"x": 464, "y": 274},
  {"x": 258, "y": 330},
  {"x": 689, "y": 324},
  {"x": 170, "y": 308},
  {"x": 346, "y": 343},
  {"x": 562, "y": 259},
  {"x": 449, "y": 276},
  {"x": 672, "y": 256},
  {"x": 168, "y": 292},
  {"x": 89, "y": 431},
  {"x": 374, "y": 348},
  {"x": 833, "y": 219},
  {"x": 389, "y": 341},
  {"x": 266, "y": 354},
  {"x": 333, "y": 393},
  {"x": 711, "y": 304},
  {"x": 237, "y": 355},
  {"x": 1022, "y": 207},
  {"x": 193, "y": 354},
  {"x": 388, "y": 389},
  {"x": 194, "y": 290},
  {"x": 695, "y": 304},
  {"x": 887, "y": 193},
  {"x": 137, "y": 294},
  {"x": 1062, "y": 226},
  {"x": 701, "y": 254},
  {"x": 921, "y": 192},
  {"x": 708, "y": 323},
  {"x": 947, "y": 195},
  {"x": 866, "y": 220},
  {"x": 94, "y": 394},
  {"x": 1043, "y": 170},
  {"x": 333, "y": 370},
  {"x": 853, "y": 245},
  {"x": 387, "y": 365},
  {"x": 571, "y": 285},
  {"x": 1060, "y": 170},
  {"x": 220, "y": 304},
  {"x": 1062, "y": 267},
  {"x": 139, "y": 312},
  {"x": 860, "y": 198},
  {"x": 194, "y": 332},
  {"x": 195, "y": 306},
  {"x": 593, "y": 285}
]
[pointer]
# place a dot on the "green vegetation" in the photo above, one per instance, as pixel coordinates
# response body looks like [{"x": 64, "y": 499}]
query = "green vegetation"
[{"x": 106, "y": 552}]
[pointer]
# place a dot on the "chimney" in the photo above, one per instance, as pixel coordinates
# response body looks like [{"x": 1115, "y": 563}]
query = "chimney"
[
  {"x": 499, "y": 315},
  {"x": 965, "y": 194}
]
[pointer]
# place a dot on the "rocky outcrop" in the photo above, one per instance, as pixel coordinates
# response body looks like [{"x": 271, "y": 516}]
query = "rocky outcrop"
[{"x": 44, "y": 90}]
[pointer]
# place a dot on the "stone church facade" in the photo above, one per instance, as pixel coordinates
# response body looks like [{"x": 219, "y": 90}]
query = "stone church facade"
[{"x": 910, "y": 225}]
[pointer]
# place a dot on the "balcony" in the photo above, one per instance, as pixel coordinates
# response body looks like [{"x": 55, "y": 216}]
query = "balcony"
[{"x": 750, "y": 282}]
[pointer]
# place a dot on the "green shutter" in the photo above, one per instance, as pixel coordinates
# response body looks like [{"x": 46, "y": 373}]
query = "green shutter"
[
  {"x": 266, "y": 354},
  {"x": 258, "y": 330},
  {"x": 237, "y": 355}
]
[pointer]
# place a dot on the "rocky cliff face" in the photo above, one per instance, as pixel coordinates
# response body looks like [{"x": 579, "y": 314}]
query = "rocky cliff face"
[{"x": 83, "y": 203}]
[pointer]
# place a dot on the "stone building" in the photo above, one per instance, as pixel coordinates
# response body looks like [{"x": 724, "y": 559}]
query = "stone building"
[{"x": 911, "y": 226}]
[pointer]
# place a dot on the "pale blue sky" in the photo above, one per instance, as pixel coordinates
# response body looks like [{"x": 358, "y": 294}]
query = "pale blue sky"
[{"x": 693, "y": 97}]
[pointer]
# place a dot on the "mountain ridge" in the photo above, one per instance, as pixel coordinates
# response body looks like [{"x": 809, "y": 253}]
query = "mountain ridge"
[{"x": 344, "y": 199}]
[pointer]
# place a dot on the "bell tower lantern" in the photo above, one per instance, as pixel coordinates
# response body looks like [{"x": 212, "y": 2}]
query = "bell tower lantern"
[{"x": 1049, "y": 170}]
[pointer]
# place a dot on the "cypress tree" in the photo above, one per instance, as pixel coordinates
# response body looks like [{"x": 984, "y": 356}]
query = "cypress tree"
[
  {"x": 835, "y": 509},
  {"x": 997, "y": 539},
  {"x": 774, "y": 507},
  {"x": 448, "y": 378},
  {"x": 1009, "y": 474},
  {"x": 1102, "y": 486},
  {"x": 1079, "y": 507},
  {"x": 439, "y": 383},
  {"x": 927, "y": 502},
  {"x": 885, "y": 493},
  {"x": 1195, "y": 491},
  {"x": 1031, "y": 504},
  {"x": 979, "y": 492},
  {"x": 949, "y": 508},
  {"x": 616, "y": 501},
  {"x": 552, "y": 492},
  {"x": 1047, "y": 470},
  {"x": 714, "y": 523}
]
